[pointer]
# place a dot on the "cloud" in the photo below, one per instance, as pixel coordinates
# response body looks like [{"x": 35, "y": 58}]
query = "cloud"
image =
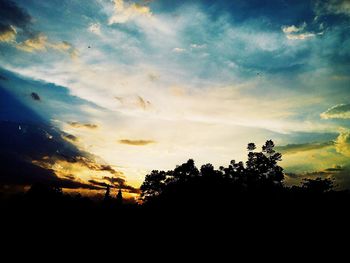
[
  {"x": 18, "y": 171},
  {"x": 13, "y": 18},
  {"x": 136, "y": 142},
  {"x": 293, "y": 28},
  {"x": 336, "y": 168},
  {"x": 7, "y": 33},
  {"x": 35, "y": 96},
  {"x": 70, "y": 137},
  {"x": 134, "y": 102},
  {"x": 302, "y": 36},
  {"x": 295, "y": 148},
  {"x": 114, "y": 180},
  {"x": 197, "y": 46},
  {"x": 95, "y": 28},
  {"x": 40, "y": 42},
  {"x": 179, "y": 50},
  {"x": 297, "y": 33},
  {"x": 144, "y": 104},
  {"x": 120, "y": 183},
  {"x": 98, "y": 183},
  {"x": 124, "y": 12},
  {"x": 153, "y": 77},
  {"x": 333, "y": 7},
  {"x": 110, "y": 169},
  {"x": 76, "y": 124},
  {"x": 37, "y": 43},
  {"x": 63, "y": 46},
  {"x": 11, "y": 14},
  {"x": 340, "y": 111},
  {"x": 112, "y": 183},
  {"x": 30, "y": 156},
  {"x": 342, "y": 143}
]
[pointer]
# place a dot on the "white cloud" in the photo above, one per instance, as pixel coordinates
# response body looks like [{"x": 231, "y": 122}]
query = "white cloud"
[
  {"x": 293, "y": 28},
  {"x": 179, "y": 50},
  {"x": 197, "y": 46},
  {"x": 300, "y": 36},
  {"x": 297, "y": 33},
  {"x": 95, "y": 28}
]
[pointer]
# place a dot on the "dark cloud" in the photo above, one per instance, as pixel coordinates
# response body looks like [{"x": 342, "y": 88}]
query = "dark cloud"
[
  {"x": 130, "y": 189},
  {"x": 76, "y": 124},
  {"x": 98, "y": 167},
  {"x": 35, "y": 96},
  {"x": 153, "y": 77},
  {"x": 3, "y": 78},
  {"x": 109, "y": 168},
  {"x": 333, "y": 7},
  {"x": 134, "y": 102},
  {"x": 335, "y": 169},
  {"x": 21, "y": 143},
  {"x": 12, "y": 14},
  {"x": 70, "y": 177},
  {"x": 98, "y": 183},
  {"x": 294, "y": 148},
  {"x": 272, "y": 12},
  {"x": 70, "y": 137},
  {"x": 120, "y": 183},
  {"x": 7, "y": 33},
  {"x": 114, "y": 180},
  {"x": 112, "y": 184},
  {"x": 16, "y": 170},
  {"x": 30, "y": 147},
  {"x": 144, "y": 104},
  {"x": 136, "y": 142}
]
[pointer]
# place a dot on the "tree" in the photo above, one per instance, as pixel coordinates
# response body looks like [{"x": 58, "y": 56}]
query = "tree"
[
  {"x": 261, "y": 172},
  {"x": 317, "y": 185},
  {"x": 185, "y": 171},
  {"x": 107, "y": 194},
  {"x": 262, "y": 167},
  {"x": 153, "y": 185},
  {"x": 120, "y": 197}
]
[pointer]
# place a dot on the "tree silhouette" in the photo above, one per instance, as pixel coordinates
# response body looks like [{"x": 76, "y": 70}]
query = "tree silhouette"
[
  {"x": 317, "y": 185},
  {"x": 262, "y": 167},
  {"x": 153, "y": 184},
  {"x": 120, "y": 197},
  {"x": 261, "y": 173},
  {"x": 107, "y": 194}
]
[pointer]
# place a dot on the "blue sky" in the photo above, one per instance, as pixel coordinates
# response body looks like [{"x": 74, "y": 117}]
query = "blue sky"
[{"x": 164, "y": 81}]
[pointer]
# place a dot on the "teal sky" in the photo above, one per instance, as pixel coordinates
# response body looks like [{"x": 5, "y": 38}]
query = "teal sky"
[{"x": 146, "y": 85}]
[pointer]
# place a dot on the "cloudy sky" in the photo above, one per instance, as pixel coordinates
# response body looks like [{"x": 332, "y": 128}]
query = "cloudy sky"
[{"x": 133, "y": 86}]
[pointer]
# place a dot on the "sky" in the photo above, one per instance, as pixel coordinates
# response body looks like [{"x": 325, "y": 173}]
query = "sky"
[{"x": 133, "y": 86}]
